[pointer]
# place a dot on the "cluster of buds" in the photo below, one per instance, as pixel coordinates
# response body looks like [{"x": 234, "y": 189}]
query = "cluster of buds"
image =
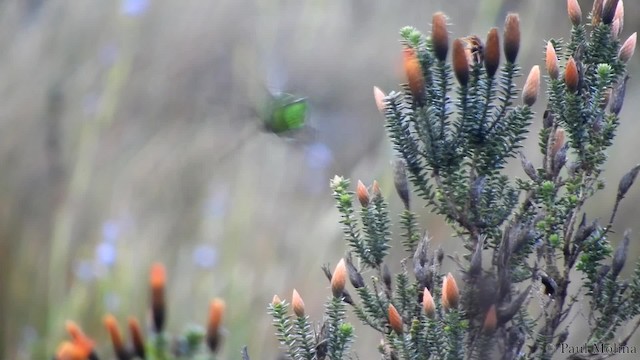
[{"x": 82, "y": 347}]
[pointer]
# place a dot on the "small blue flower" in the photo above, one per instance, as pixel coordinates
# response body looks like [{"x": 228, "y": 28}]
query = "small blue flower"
[
  {"x": 83, "y": 270},
  {"x": 318, "y": 156},
  {"x": 106, "y": 254},
  {"x": 205, "y": 256},
  {"x": 110, "y": 231},
  {"x": 134, "y": 7}
]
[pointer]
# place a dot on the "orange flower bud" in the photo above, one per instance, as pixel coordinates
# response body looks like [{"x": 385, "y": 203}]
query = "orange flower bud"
[
  {"x": 339, "y": 278},
  {"x": 558, "y": 141},
  {"x": 137, "y": 339},
  {"x": 571, "y": 76},
  {"x": 111, "y": 324},
  {"x": 70, "y": 351},
  {"x": 511, "y": 37},
  {"x": 460, "y": 62},
  {"x": 439, "y": 35},
  {"x": 375, "y": 189},
  {"x": 158, "y": 281},
  {"x": 628, "y": 48},
  {"x": 490, "y": 320},
  {"x": 276, "y": 300},
  {"x": 428, "y": 304},
  {"x": 551, "y": 61},
  {"x": 362, "y": 193},
  {"x": 450, "y": 293},
  {"x": 79, "y": 338},
  {"x": 413, "y": 70},
  {"x": 297, "y": 304},
  {"x": 531, "y": 86},
  {"x": 379, "y": 96},
  {"x": 216, "y": 310},
  {"x": 575, "y": 13},
  {"x": 492, "y": 52},
  {"x": 395, "y": 320}
]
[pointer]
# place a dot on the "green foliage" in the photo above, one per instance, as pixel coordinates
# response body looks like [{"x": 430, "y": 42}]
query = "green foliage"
[{"x": 520, "y": 235}]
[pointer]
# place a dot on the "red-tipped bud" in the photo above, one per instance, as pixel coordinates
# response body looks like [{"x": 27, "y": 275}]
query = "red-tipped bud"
[
  {"x": 460, "y": 62},
  {"x": 531, "y": 86},
  {"x": 375, "y": 189},
  {"x": 619, "y": 16},
  {"x": 428, "y": 304},
  {"x": 297, "y": 304},
  {"x": 413, "y": 70},
  {"x": 609, "y": 11},
  {"x": 628, "y": 48},
  {"x": 158, "y": 279},
  {"x": 111, "y": 324},
  {"x": 216, "y": 310},
  {"x": 450, "y": 293},
  {"x": 574, "y": 11},
  {"x": 395, "y": 320},
  {"x": 137, "y": 339},
  {"x": 339, "y": 279},
  {"x": 439, "y": 35},
  {"x": 363, "y": 194},
  {"x": 551, "y": 61},
  {"x": 571, "y": 76},
  {"x": 492, "y": 52},
  {"x": 511, "y": 37},
  {"x": 379, "y": 96},
  {"x": 490, "y": 320},
  {"x": 615, "y": 28}
]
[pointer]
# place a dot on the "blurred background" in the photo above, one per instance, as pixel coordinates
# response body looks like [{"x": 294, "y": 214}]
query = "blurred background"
[{"x": 128, "y": 136}]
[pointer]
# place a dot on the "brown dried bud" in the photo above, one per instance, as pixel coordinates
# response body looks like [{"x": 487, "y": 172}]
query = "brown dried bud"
[
  {"x": 362, "y": 193},
  {"x": 460, "y": 62},
  {"x": 339, "y": 279},
  {"x": 428, "y": 304},
  {"x": 375, "y": 189},
  {"x": 158, "y": 308},
  {"x": 511, "y": 37},
  {"x": 609, "y": 11},
  {"x": 528, "y": 168},
  {"x": 490, "y": 320},
  {"x": 551, "y": 61},
  {"x": 395, "y": 320},
  {"x": 354, "y": 275},
  {"x": 618, "y": 94},
  {"x": 379, "y": 96},
  {"x": 276, "y": 300},
  {"x": 111, "y": 324},
  {"x": 439, "y": 35},
  {"x": 492, "y": 52},
  {"x": 571, "y": 76},
  {"x": 137, "y": 339},
  {"x": 386, "y": 277},
  {"x": 450, "y": 293},
  {"x": 628, "y": 48},
  {"x": 401, "y": 182},
  {"x": 620, "y": 256},
  {"x": 531, "y": 86},
  {"x": 596, "y": 12},
  {"x": 297, "y": 304},
  {"x": 558, "y": 141},
  {"x": 216, "y": 310},
  {"x": 413, "y": 70},
  {"x": 627, "y": 180},
  {"x": 574, "y": 11}
]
